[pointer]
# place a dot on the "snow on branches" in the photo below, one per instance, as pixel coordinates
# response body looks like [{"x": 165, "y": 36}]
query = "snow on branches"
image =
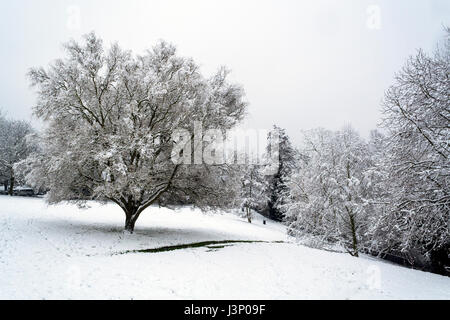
[{"x": 111, "y": 115}]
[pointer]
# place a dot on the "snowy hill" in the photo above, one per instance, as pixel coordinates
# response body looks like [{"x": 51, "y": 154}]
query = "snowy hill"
[{"x": 61, "y": 252}]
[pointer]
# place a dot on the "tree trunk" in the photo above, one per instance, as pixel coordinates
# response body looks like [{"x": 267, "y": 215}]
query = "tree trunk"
[
  {"x": 131, "y": 217},
  {"x": 249, "y": 215},
  {"x": 11, "y": 186},
  {"x": 352, "y": 220},
  {"x": 129, "y": 224},
  {"x": 354, "y": 238}
]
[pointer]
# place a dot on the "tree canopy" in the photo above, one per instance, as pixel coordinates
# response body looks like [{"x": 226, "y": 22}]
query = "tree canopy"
[{"x": 111, "y": 117}]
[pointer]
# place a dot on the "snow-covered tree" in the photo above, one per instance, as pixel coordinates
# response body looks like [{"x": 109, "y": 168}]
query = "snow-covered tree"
[
  {"x": 287, "y": 161},
  {"x": 254, "y": 194},
  {"x": 13, "y": 148},
  {"x": 417, "y": 120},
  {"x": 331, "y": 193},
  {"x": 111, "y": 119}
]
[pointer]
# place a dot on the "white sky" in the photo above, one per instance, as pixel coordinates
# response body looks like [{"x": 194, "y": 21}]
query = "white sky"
[{"x": 303, "y": 64}]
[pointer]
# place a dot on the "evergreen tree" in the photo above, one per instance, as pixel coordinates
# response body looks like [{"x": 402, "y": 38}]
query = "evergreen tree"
[{"x": 277, "y": 188}]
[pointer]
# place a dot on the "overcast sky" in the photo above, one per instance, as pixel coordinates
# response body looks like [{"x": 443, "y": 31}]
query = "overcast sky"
[{"x": 303, "y": 64}]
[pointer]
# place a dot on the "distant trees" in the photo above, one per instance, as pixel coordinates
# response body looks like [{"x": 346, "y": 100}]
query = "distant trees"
[
  {"x": 264, "y": 186},
  {"x": 112, "y": 117},
  {"x": 14, "y": 147}
]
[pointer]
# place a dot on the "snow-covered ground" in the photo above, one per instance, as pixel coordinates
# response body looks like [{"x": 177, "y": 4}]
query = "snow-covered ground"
[{"x": 62, "y": 252}]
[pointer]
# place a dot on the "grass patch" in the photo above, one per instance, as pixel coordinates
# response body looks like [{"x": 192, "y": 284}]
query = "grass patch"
[{"x": 209, "y": 244}]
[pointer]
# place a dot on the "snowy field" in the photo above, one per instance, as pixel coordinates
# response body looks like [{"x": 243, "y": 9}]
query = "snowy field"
[{"x": 62, "y": 252}]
